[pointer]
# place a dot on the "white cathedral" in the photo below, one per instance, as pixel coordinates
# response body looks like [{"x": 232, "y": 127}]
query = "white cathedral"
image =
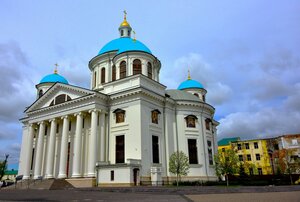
[{"x": 123, "y": 130}]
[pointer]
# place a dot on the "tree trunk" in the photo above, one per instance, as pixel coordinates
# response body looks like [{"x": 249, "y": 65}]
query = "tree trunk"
[
  {"x": 291, "y": 179},
  {"x": 227, "y": 180},
  {"x": 177, "y": 180}
]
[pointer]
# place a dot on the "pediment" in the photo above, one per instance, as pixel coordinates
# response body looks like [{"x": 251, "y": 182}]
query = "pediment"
[{"x": 57, "y": 94}]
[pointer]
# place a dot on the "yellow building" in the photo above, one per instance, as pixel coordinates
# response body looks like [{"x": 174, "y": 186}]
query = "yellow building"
[{"x": 253, "y": 154}]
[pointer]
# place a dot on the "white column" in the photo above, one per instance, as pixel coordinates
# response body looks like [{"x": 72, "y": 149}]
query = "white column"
[
  {"x": 50, "y": 154},
  {"x": 102, "y": 136},
  {"x": 39, "y": 150},
  {"x": 77, "y": 146},
  {"x": 93, "y": 144},
  {"x": 28, "y": 152},
  {"x": 64, "y": 149}
]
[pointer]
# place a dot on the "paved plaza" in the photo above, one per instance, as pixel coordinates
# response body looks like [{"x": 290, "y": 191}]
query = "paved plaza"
[{"x": 162, "y": 194}]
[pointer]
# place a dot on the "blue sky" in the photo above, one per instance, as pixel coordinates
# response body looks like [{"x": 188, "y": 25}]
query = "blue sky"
[{"x": 245, "y": 53}]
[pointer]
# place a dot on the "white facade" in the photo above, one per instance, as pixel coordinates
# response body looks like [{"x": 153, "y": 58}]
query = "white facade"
[{"x": 123, "y": 130}]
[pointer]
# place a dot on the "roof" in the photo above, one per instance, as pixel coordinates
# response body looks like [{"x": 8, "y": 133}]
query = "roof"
[
  {"x": 124, "y": 44},
  {"x": 11, "y": 172},
  {"x": 53, "y": 78},
  {"x": 182, "y": 95},
  {"x": 226, "y": 141},
  {"x": 190, "y": 84}
]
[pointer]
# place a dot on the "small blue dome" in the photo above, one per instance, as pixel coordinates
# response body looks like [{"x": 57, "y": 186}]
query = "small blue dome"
[
  {"x": 53, "y": 78},
  {"x": 189, "y": 84},
  {"x": 124, "y": 44}
]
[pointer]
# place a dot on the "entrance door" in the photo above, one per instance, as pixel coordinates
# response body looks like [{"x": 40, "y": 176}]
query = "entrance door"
[{"x": 136, "y": 176}]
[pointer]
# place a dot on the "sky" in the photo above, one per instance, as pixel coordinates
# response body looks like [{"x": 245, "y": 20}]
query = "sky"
[{"x": 245, "y": 53}]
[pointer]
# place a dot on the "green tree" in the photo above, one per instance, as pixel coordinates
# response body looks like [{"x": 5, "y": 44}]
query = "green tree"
[
  {"x": 179, "y": 165},
  {"x": 289, "y": 162},
  {"x": 226, "y": 163},
  {"x": 3, "y": 166}
]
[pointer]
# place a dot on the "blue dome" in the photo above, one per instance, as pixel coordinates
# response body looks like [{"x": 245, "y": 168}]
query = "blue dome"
[
  {"x": 53, "y": 78},
  {"x": 124, "y": 44},
  {"x": 189, "y": 84}
]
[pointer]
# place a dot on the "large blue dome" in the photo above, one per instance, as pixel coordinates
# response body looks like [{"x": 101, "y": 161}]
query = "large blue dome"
[
  {"x": 190, "y": 84},
  {"x": 124, "y": 44},
  {"x": 53, "y": 78}
]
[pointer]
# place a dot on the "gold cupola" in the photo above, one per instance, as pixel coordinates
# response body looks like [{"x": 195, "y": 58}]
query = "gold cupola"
[{"x": 125, "y": 29}]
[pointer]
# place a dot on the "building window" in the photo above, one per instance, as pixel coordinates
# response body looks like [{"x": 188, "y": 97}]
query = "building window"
[
  {"x": 294, "y": 142},
  {"x": 137, "y": 67},
  {"x": 149, "y": 67},
  {"x": 40, "y": 93},
  {"x": 128, "y": 33},
  {"x": 114, "y": 72},
  {"x": 241, "y": 158},
  {"x": 196, "y": 94},
  {"x": 120, "y": 115},
  {"x": 255, "y": 145},
  {"x": 192, "y": 147},
  {"x": 257, "y": 157},
  {"x": 203, "y": 98},
  {"x": 210, "y": 154},
  {"x": 154, "y": 116},
  {"x": 239, "y": 146},
  {"x": 259, "y": 171},
  {"x": 112, "y": 173},
  {"x": 207, "y": 124},
  {"x": 122, "y": 69},
  {"x": 191, "y": 121},
  {"x": 83, "y": 122},
  {"x": 102, "y": 75},
  {"x": 122, "y": 32},
  {"x": 248, "y": 157},
  {"x": 155, "y": 149},
  {"x": 95, "y": 79},
  {"x": 120, "y": 148},
  {"x": 70, "y": 125},
  {"x": 247, "y": 145},
  {"x": 57, "y": 128}
]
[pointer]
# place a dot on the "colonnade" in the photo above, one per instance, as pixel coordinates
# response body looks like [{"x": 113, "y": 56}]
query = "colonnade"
[{"x": 51, "y": 153}]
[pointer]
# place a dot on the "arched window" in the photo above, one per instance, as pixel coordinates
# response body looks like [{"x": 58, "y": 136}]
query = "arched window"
[
  {"x": 203, "y": 98},
  {"x": 149, "y": 67},
  {"x": 196, "y": 94},
  {"x": 40, "y": 93},
  {"x": 113, "y": 76},
  {"x": 122, "y": 32},
  {"x": 122, "y": 69},
  {"x": 95, "y": 79},
  {"x": 137, "y": 67},
  {"x": 60, "y": 99},
  {"x": 207, "y": 124},
  {"x": 102, "y": 75},
  {"x": 191, "y": 121}
]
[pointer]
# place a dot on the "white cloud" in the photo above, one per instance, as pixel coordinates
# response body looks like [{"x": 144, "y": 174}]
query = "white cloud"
[{"x": 202, "y": 72}]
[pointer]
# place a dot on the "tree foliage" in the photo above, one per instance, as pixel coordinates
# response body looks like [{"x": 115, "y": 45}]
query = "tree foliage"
[
  {"x": 226, "y": 163},
  {"x": 179, "y": 164},
  {"x": 289, "y": 162},
  {"x": 3, "y": 166}
]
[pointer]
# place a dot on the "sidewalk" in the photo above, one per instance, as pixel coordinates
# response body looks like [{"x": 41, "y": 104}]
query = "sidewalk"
[{"x": 187, "y": 190}]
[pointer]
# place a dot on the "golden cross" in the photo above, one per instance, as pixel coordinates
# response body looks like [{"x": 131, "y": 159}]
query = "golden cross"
[
  {"x": 55, "y": 70},
  {"x": 125, "y": 13},
  {"x": 189, "y": 75},
  {"x": 133, "y": 35}
]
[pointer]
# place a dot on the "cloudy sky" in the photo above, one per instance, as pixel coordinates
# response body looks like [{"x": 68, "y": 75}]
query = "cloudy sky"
[{"x": 245, "y": 53}]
